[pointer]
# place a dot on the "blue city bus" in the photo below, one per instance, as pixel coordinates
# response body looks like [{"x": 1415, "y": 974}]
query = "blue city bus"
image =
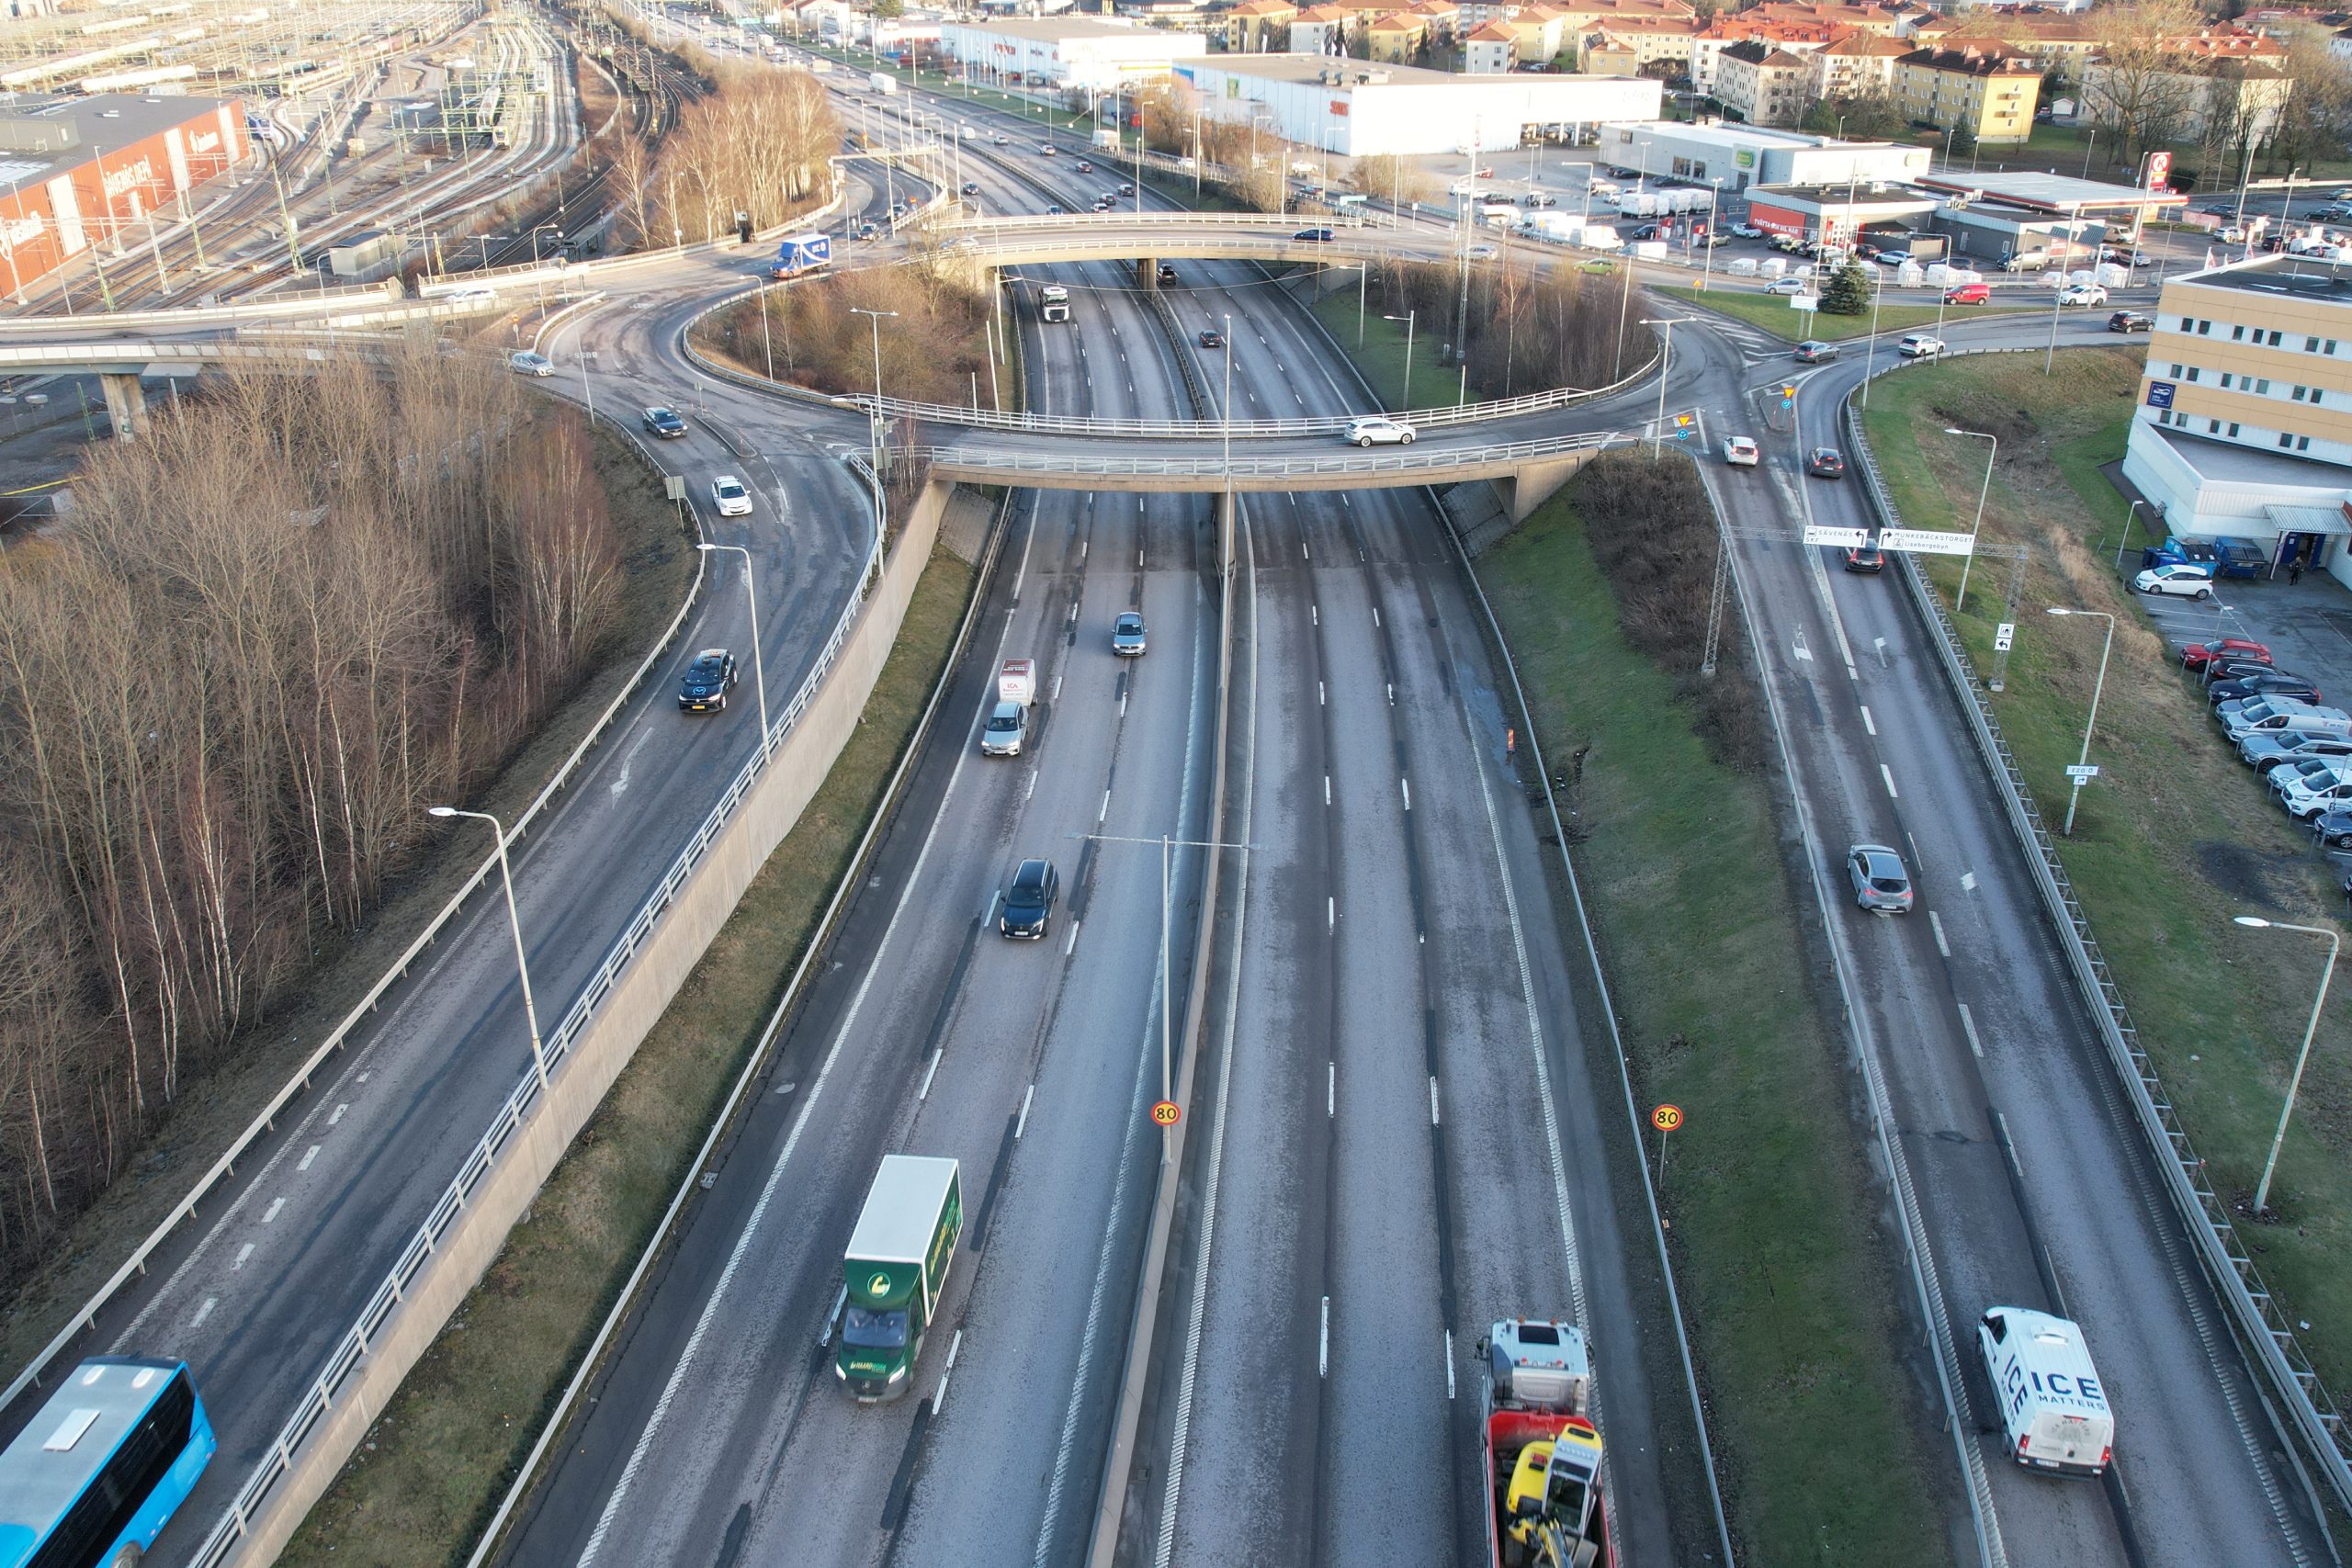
[{"x": 93, "y": 1478}]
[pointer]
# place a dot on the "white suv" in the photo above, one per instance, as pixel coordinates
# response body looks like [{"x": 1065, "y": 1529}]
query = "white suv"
[
  {"x": 1920, "y": 345},
  {"x": 1739, "y": 451},
  {"x": 1377, "y": 430}
]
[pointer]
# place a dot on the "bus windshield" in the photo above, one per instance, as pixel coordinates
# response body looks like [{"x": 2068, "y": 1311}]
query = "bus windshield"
[
  {"x": 104, "y": 1463},
  {"x": 873, "y": 1330}
]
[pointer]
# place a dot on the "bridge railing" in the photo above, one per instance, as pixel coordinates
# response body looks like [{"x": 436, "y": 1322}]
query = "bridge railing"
[
  {"x": 1398, "y": 459},
  {"x": 1250, "y": 429}
]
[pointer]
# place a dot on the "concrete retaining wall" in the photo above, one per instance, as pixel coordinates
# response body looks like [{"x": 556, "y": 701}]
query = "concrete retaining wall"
[{"x": 802, "y": 760}]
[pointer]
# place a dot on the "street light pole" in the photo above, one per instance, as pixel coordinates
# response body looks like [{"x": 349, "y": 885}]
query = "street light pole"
[
  {"x": 759, "y": 666},
  {"x": 2295, "y": 1083},
  {"x": 1405, "y": 401},
  {"x": 874, "y": 423},
  {"x": 2126, "y": 533},
  {"x": 514, "y": 924},
  {"x": 2074, "y": 795},
  {"x": 1961, "y": 599},
  {"x": 1665, "y": 362},
  {"x": 1707, "y": 262}
]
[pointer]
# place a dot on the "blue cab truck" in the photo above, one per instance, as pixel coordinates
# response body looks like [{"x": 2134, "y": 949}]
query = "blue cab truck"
[{"x": 800, "y": 255}]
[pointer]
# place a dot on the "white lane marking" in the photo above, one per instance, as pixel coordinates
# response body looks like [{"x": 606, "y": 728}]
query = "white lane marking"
[
  {"x": 271, "y": 1213},
  {"x": 1331, "y": 1088},
  {"x": 363, "y": 1078},
  {"x": 1392, "y": 694},
  {"x": 1888, "y": 775},
  {"x": 620, "y": 781},
  {"x": 1106, "y": 806},
  {"x": 939, "y": 1394},
  {"x": 1968, "y": 882},
  {"x": 1936, "y": 924},
  {"x": 1327, "y": 789},
  {"x": 1323, "y": 1355},
  {"x": 307, "y": 1159},
  {"x": 1072, "y": 945},
  {"x": 1375, "y": 615},
  {"x": 928, "y": 1074},
  {"x": 1033, "y": 784},
  {"x": 1803, "y": 651},
  {"x": 204, "y": 1312},
  {"x": 1407, "y": 785},
  {"x": 1968, "y": 1024},
  {"x": 1058, "y": 679},
  {"x": 243, "y": 1253},
  {"x": 338, "y": 1115},
  {"x": 1314, "y": 615},
  {"x": 1330, "y": 914},
  {"x": 1321, "y": 700},
  {"x": 1433, "y": 1117},
  {"x": 1123, "y": 704},
  {"x": 1449, "y": 1363},
  {"x": 1867, "y": 723},
  {"x": 1020, "y": 1122}
]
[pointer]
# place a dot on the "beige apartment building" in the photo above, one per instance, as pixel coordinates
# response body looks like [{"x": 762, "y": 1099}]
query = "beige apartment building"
[
  {"x": 1981, "y": 86},
  {"x": 2245, "y": 418}
]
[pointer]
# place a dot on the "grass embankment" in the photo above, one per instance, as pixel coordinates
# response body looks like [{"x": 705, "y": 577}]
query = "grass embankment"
[
  {"x": 1771, "y": 312},
  {"x": 1381, "y": 357},
  {"x": 1788, "y": 1287},
  {"x": 658, "y": 562},
  {"x": 444, "y": 1454},
  {"x": 2176, "y": 837}
]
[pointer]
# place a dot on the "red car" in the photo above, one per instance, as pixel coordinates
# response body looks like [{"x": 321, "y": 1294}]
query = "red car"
[
  {"x": 1969, "y": 294},
  {"x": 2245, "y": 650}
]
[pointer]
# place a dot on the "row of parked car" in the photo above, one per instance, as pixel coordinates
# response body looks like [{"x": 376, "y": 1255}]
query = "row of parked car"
[{"x": 2300, "y": 747}]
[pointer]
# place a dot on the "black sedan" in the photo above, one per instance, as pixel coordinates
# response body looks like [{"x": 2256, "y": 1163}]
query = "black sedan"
[
  {"x": 1826, "y": 464},
  {"x": 1212, "y": 338},
  {"x": 2266, "y": 683},
  {"x": 705, "y": 685},
  {"x": 663, "y": 423}
]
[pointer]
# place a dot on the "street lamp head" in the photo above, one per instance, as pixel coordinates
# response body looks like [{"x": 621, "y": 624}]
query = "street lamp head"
[
  {"x": 2257, "y": 921},
  {"x": 1954, "y": 430},
  {"x": 2054, "y": 609},
  {"x": 440, "y": 811}
]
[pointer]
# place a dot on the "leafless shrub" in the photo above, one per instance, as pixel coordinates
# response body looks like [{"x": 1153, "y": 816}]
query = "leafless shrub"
[{"x": 271, "y": 631}]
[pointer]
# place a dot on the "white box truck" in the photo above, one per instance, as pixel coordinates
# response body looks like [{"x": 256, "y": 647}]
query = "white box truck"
[
  {"x": 1052, "y": 303},
  {"x": 2053, "y": 1406},
  {"x": 894, "y": 1272},
  {"x": 883, "y": 83}
]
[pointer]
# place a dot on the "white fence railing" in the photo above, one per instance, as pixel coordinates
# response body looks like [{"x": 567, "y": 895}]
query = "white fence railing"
[
  {"x": 1240, "y": 429},
  {"x": 1415, "y": 467}
]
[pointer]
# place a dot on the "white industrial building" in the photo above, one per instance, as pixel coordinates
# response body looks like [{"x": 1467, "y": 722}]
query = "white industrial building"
[
  {"x": 1065, "y": 51},
  {"x": 1744, "y": 156},
  {"x": 1356, "y": 109}
]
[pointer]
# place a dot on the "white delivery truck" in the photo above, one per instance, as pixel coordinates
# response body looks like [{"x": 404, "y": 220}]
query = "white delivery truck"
[
  {"x": 1016, "y": 681},
  {"x": 1007, "y": 729},
  {"x": 2053, "y": 1406},
  {"x": 1497, "y": 214},
  {"x": 883, "y": 83}
]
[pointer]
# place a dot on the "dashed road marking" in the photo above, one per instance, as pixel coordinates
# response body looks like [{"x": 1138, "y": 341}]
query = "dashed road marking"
[
  {"x": 308, "y": 1158},
  {"x": 1323, "y": 1355},
  {"x": 1888, "y": 775},
  {"x": 1968, "y": 1024},
  {"x": 1867, "y": 724},
  {"x": 338, "y": 1115},
  {"x": 243, "y": 1253},
  {"x": 204, "y": 1312},
  {"x": 1936, "y": 924},
  {"x": 928, "y": 1073},
  {"x": 1020, "y": 1122},
  {"x": 271, "y": 1213}
]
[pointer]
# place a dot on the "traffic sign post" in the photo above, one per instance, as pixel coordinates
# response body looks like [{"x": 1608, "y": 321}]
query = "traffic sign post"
[{"x": 1666, "y": 1119}]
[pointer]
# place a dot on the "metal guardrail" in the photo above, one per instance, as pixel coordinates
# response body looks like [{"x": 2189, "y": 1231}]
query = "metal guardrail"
[
  {"x": 1406, "y": 461},
  {"x": 2227, "y": 1261}
]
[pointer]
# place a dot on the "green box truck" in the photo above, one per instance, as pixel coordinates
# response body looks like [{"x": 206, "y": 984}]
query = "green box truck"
[{"x": 895, "y": 1271}]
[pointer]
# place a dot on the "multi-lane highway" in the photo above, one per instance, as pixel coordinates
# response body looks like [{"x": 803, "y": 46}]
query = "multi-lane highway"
[{"x": 1399, "y": 1112}]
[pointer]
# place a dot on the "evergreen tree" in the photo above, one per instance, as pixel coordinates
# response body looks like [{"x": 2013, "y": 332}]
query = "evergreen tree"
[{"x": 1849, "y": 293}]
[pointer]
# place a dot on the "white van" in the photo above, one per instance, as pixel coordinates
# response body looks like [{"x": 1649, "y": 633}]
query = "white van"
[
  {"x": 2052, "y": 1405},
  {"x": 1499, "y": 214}
]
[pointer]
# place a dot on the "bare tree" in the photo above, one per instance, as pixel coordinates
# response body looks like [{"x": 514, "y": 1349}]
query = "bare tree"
[{"x": 2136, "y": 88}]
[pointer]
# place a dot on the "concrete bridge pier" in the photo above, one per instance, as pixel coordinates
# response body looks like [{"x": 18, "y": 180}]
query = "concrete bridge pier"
[
  {"x": 126, "y": 402},
  {"x": 1531, "y": 483},
  {"x": 1148, "y": 273},
  {"x": 1224, "y": 508}
]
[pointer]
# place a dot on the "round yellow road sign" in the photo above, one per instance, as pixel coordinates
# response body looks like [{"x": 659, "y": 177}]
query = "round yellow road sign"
[
  {"x": 1666, "y": 1118},
  {"x": 1166, "y": 1112}
]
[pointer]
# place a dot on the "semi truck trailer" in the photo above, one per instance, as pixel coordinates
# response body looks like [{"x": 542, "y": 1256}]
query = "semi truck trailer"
[
  {"x": 1541, "y": 1450},
  {"x": 894, "y": 1273}
]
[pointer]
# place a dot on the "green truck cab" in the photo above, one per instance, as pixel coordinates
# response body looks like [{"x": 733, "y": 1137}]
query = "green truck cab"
[{"x": 894, "y": 1272}]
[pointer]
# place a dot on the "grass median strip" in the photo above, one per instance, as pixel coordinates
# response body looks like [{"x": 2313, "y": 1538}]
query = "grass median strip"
[
  {"x": 434, "y": 1467},
  {"x": 1774, "y": 313},
  {"x": 2175, "y": 836},
  {"x": 1789, "y": 1287}
]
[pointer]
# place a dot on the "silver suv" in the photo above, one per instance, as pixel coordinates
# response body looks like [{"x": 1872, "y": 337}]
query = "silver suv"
[{"x": 1008, "y": 726}]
